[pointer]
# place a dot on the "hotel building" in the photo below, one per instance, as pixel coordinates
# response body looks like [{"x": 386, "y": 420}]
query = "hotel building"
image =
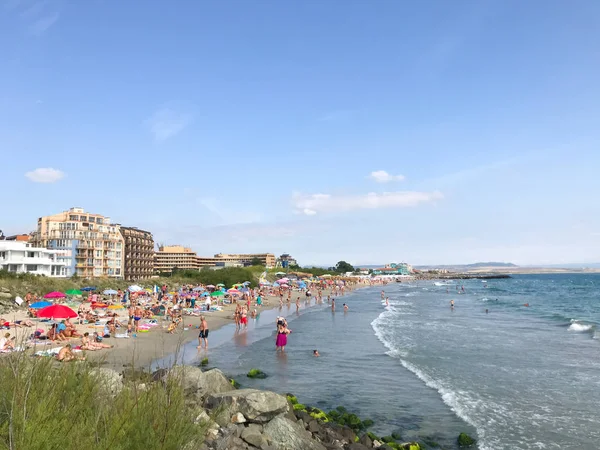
[
  {"x": 266, "y": 259},
  {"x": 21, "y": 257},
  {"x": 90, "y": 246},
  {"x": 139, "y": 253},
  {"x": 170, "y": 257}
]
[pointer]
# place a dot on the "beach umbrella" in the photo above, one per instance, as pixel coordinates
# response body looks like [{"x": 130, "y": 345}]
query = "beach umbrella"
[
  {"x": 88, "y": 288},
  {"x": 110, "y": 292},
  {"x": 233, "y": 291},
  {"x": 210, "y": 286},
  {"x": 57, "y": 312},
  {"x": 220, "y": 285},
  {"x": 115, "y": 307},
  {"x": 276, "y": 284},
  {"x": 73, "y": 292},
  {"x": 217, "y": 294},
  {"x": 40, "y": 305},
  {"x": 265, "y": 283},
  {"x": 198, "y": 288},
  {"x": 246, "y": 283},
  {"x": 283, "y": 280},
  {"x": 135, "y": 288},
  {"x": 205, "y": 294},
  {"x": 245, "y": 289},
  {"x": 280, "y": 273},
  {"x": 55, "y": 294}
]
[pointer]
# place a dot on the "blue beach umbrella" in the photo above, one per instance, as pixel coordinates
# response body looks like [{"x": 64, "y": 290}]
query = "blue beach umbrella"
[
  {"x": 110, "y": 292},
  {"x": 39, "y": 305},
  {"x": 88, "y": 288}
]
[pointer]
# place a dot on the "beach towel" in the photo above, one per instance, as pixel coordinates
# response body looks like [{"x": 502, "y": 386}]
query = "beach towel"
[{"x": 122, "y": 336}]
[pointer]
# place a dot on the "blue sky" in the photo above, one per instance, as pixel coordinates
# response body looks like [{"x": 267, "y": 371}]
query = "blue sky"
[{"x": 428, "y": 132}]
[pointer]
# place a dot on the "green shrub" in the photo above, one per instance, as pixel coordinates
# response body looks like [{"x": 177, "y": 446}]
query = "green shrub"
[
  {"x": 204, "y": 362},
  {"x": 299, "y": 407},
  {"x": 44, "y": 405},
  {"x": 292, "y": 398}
]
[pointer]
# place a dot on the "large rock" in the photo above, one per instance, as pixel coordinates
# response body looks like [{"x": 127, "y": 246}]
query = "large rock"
[
  {"x": 198, "y": 384},
  {"x": 357, "y": 446},
  {"x": 288, "y": 435},
  {"x": 5, "y": 295},
  {"x": 256, "y": 406},
  {"x": 110, "y": 381},
  {"x": 253, "y": 435}
]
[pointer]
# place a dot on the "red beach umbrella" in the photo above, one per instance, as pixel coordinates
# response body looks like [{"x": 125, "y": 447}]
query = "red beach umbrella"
[
  {"x": 57, "y": 312},
  {"x": 55, "y": 294}
]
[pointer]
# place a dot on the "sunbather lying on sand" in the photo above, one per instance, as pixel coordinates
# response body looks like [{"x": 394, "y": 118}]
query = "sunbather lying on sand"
[{"x": 87, "y": 344}]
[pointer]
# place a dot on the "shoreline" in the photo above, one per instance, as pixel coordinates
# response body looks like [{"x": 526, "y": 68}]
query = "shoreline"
[{"x": 158, "y": 349}]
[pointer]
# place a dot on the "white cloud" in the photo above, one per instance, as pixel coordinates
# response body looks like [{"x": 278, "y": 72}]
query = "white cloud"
[
  {"x": 381, "y": 176},
  {"x": 311, "y": 204},
  {"x": 42, "y": 25},
  {"x": 45, "y": 175},
  {"x": 167, "y": 123}
]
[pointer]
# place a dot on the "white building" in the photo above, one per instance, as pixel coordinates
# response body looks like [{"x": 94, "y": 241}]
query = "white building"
[{"x": 21, "y": 257}]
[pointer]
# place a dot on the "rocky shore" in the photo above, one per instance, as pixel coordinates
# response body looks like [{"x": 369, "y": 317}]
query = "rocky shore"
[{"x": 246, "y": 419}]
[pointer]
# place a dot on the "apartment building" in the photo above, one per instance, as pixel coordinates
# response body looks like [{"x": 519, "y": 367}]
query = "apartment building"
[
  {"x": 266, "y": 259},
  {"x": 170, "y": 257},
  {"x": 21, "y": 257},
  {"x": 139, "y": 253},
  {"x": 88, "y": 244}
]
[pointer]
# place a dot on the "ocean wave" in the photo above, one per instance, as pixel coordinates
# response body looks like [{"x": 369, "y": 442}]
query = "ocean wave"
[
  {"x": 449, "y": 397},
  {"x": 580, "y": 327}
]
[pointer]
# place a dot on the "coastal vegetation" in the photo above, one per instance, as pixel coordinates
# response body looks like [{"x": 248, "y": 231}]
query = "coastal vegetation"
[
  {"x": 256, "y": 373},
  {"x": 72, "y": 406}
]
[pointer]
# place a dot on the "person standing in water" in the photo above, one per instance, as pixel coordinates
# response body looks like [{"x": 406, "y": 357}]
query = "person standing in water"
[
  {"x": 282, "y": 333},
  {"x": 203, "y": 336},
  {"x": 333, "y": 304},
  {"x": 451, "y": 304},
  {"x": 387, "y": 301}
]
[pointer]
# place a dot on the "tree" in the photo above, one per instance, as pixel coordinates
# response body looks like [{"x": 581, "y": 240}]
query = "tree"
[
  {"x": 256, "y": 262},
  {"x": 343, "y": 267}
]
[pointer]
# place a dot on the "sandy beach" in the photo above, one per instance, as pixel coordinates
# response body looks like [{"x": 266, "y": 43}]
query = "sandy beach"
[{"x": 139, "y": 352}]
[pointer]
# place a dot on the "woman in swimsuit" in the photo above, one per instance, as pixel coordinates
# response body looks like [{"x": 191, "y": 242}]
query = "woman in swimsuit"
[{"x": 282, "y": 332}]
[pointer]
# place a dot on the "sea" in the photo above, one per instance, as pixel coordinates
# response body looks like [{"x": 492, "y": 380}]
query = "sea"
[{"x": 510, "y": 375}]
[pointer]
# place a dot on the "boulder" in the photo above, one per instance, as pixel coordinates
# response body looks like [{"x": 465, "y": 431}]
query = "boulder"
[
  {"x": 256, "y": 406},
  {"x": 110, "y": 381},
  {"x": 253, "y": 436},
  {"x": 464, "y": 440},
  {"x": 356, "y": 446},
  {"x": 289, "y": 435},
  {"x": 5, "y": 295},
  {"x": 198, "y": 384},
  {"x": 366, "y": 441}
]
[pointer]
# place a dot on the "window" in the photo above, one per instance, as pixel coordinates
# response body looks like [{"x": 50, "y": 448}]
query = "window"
[
  {"x": 2, "y": 255},
  {"x": 92, "y": 219},
  {"x": 73, "y": 217},
  {"x": 31, "y": 255},
  {"x": 31, "y": 267}
]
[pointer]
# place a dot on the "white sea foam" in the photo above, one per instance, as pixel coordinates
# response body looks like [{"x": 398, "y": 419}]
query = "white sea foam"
[
  {"x": 580, "y": 327},
  {"x": 450, "y": 398}
]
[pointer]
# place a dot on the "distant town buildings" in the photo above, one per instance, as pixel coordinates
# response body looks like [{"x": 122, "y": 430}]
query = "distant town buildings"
[
  {"x": 286, "y": 261},
  {"x": 139, "y": 253},
  {"x": 21, "y": 257},
  {"x": 90, "y": 246},
  {"x": 394, "y": 269},
  {"x": 172, "y": 257},
  {"x": 247, "y": 259}
]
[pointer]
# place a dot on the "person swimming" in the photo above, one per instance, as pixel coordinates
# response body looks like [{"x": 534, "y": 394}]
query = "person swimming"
[{"x": 316, "y": 353}]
